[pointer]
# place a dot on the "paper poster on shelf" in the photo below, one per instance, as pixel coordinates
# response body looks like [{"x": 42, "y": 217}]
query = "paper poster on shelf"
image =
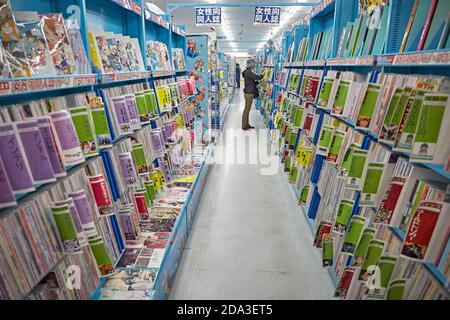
[
  {"x": 361, "y": 249},
  {"x": 197, "y": 53},
  {"x": 353, "y": 234},
  {"x": 66, "y": 229},
  {"x": 101, "y": 256},
  {"x": 82, "y": 239},
  {"x": 101, "y": 195},
  {"x": 84, "y": 129}
]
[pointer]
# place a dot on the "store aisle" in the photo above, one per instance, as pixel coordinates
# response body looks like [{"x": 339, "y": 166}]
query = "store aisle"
[{"x": 250, "y": 240}]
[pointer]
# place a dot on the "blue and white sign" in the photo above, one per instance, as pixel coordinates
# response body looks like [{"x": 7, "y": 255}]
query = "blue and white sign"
[
  {"x": 267, "y": 15},
  {"x": 208, "y": 16}
]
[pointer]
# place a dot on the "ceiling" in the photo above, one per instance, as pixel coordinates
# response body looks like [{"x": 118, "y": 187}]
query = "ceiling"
[{"x": 241, "y": 35}]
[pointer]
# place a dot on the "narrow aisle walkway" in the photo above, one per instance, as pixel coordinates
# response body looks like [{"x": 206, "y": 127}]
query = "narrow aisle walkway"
[{"x": 249, "y": 239}]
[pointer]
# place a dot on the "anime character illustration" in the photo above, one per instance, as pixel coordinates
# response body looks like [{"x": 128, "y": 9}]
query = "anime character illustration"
[
  {"x": 423, "y": 148},
  {"x": 199, "y": 66},
  {"x": 192, "y": 51}
]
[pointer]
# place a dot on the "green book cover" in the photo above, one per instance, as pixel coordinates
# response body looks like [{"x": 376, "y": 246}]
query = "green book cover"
[
  {"x": 368, "y": 105},
  {"x": 293, "y": 138},
  {"x": 298, "y": 117},
  {"x": 372, "y": 183},
  {"x": 389, "y": 113},
  {"x": 346, "y": 162},
  {"x": 356, "y": 171},
  {"x": 101, "y": 256},
  {"x": 66, "y": 229},
  {"x": 83, "y": 127},
  {"x": 150, "y": 188},
  {"x": 304, "y": 195},
  {"x": 363, "y": 245},
  {"x": 139, "y": 158},
  {"x": 101, "y": 128},
  {"x": 341, "y": 97},
  {"x": 398, "y": 114},
  {"x": 396, "y": 289},
  {"x": 353, "y": 234},
  {"x": 325, "y": 92},
  {"x": 429, "y": 127},
  {"x": 302, "y": 89},
  {"x": 409, "y": 131},
  {"x": 336, "y": 145},
  {"x": 373, "y": 254},
  {"x": 343, "y": 216},
  {"x": 294, "y": 174},
  {"x": 326, "y": 136},
  {"x": 386, "y": 266},
  {"x": 327, "y": 250},
  {"x": 287, "y": 164}
]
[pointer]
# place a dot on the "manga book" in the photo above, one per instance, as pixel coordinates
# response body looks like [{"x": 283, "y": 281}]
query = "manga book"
[
  {"x": 58, "y": 43},
  {"x": 82, "y": 64},
  {"x": 34, "y": 44},
  {"x": 12, "y": 42}
]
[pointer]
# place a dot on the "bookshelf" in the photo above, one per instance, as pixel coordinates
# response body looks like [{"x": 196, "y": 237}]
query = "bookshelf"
[
  {"x": 278, "y": 105},
  {"x": 129, "y": 19}
]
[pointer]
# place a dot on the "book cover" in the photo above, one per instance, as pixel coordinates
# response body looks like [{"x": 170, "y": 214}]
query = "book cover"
[
  {"x": 67, "y": 138},
  {"x": 84, "y": 128},
  {"x": 101, "y": 193},
  {"x": 82, "y": 64},
  {"x": 336, "y": 145},
  {"x": 429, "y": 143},
  {"x": 359, "y": 45},
  {"x": 386, "y": 266},
  {"x": 371, "y": 100},
  {"x": 101, "y": 255},
  {"x": 420, "y": 17},
  {"x": 13, "y": 43},
  {"x": 325, "y": 139},
  {"x": 353, "y": 38},
  {"x": 85, "y": 212},
  {"x": 443, "y": 41},
  {"x": 372, "y": 29},
  {"x": 353, "y": 234},
  {"x": 373, "y": 254},
  {"x": 58, "y": 43},
  {"x": 380, "y": 38},
  {"x": 427, "y": 25},
  {"x": 386, "y": 127},
  {"x": 389, "y": 202},
  {"x": 396, "y": 289},
  {"x": 363, "y": 245},
  {"x": 7, "y": 198},
  {"x": 420, "y": 230},
  {"x": 38, "y": 160},
  {"x": 341, "y": 97},
  {"x": 409, "y": 25},
  {"x": 66, "y": 229},
  {"x": 357, "y": 169},
  {"x": 372, "y": 183},
  {"x": 130, "y": 284},
  {"x": 323, "y": 228},
  {"x": 14, "y": 160},
  {"x": 437, "y": 25},
  {"x": 344, "y": 283},
  {"x": 343, "y": 216},
  {"x": 348, "y": 32},
  {"x": 34, "y": 44},
  {"x": 327, "y": 250}
]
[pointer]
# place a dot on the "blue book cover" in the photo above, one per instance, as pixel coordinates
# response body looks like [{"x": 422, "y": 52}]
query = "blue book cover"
[
  {"x": 417, "y": 27},
  {"x": 348, "y": 32},
  {"x": 380, "y": 39},
  {"x": 361, "y": 36},
  {"x": 437, "y": 25},
  {"x": 371, "y": 33},
  {"x": 353, "y": 37}
]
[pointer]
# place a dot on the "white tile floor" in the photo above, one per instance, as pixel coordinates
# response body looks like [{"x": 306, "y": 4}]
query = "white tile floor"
[{"x": 250, "y": 239}]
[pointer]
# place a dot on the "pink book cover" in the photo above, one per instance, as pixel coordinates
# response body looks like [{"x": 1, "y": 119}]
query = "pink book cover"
[{"x": 427, "y": 25}]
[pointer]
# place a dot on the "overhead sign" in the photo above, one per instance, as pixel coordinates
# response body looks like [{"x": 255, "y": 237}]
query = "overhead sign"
[
  {"x": 267, "y": 15},
  {"x": 208, "y": 16}
]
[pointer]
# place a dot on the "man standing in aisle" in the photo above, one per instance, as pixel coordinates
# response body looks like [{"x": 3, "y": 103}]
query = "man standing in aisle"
[
  {"x": 250, "y": 91},
  {"x": 238, "y": 76}
]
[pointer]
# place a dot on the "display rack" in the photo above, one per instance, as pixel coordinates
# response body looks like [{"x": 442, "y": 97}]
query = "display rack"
[
  {"x": 130, "y": 20},
  {"x": 333, "y": 18}
]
